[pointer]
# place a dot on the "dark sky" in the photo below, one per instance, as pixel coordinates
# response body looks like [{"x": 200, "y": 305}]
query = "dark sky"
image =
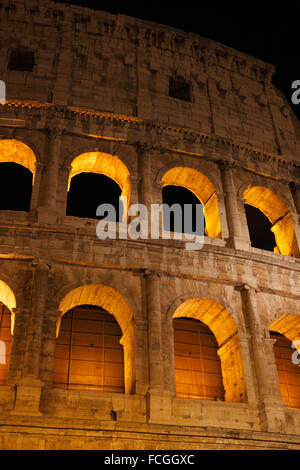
[{"x": 270, "y": 33}]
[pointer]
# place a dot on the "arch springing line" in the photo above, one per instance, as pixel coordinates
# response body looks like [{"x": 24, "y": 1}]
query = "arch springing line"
[
  {"x": 201, "y": 186},
  {"x": 278, "y": 212},
  {"x": 14, "y": 151},
  {"x": 105, "y": 164}
]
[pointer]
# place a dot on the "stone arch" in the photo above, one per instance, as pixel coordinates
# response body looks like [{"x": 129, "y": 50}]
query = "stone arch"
[
  {"x": 182, "y": 163},
  {"x": 287, "y": 324},
  {"x": 286, "y": 352},
  {"x": 274, "y": 307},
  {"x": 108, "y": 278},
  {"x": 113, "y": 302},
  {"x": 80, "y": 147},
  {"x": 105, "y": 164},
  {"x": 203, "y": 188},
  {"x": 15, "y": 151},
  {"x": 223, "y": 326},
  {"x": 276, "y": 209}
]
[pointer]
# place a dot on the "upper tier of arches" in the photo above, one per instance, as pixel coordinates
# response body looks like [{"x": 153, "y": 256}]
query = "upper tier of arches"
[{"x": 277, "y": 210}]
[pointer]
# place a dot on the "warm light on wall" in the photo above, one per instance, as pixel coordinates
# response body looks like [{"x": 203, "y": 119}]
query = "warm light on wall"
[
  {"x": 197, "y": 364},
  {"x": 104, "y": 164},
  {"x": 88, "y": 353},
  {"x": 277, "y": 211},
  {"x": 287, "y": 368},
  {"x": 287, "y": 324},
  {"x": 7, "y": 298},
  {"x": 224, "y": 328},
  {"x": 5, "y": 342},
  {"x": 14, "y": 151},
  {"x": 201, "y": 186},
  {"x": 114, "y": 303}
]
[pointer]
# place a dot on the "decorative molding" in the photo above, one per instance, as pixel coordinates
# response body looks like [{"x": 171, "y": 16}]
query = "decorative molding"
[{"x": 143, "y": 125}]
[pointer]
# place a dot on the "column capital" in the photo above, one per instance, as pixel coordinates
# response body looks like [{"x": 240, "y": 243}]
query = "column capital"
[
  {"x": 226, "y": 164},
  {"x": 151, "y": 273},
  {"x": 65, "y": 167},
  {"x": 245, "y": 287},
  {"x": 143, "y": 145},
  {"x": 41, "y": 265},
  {"x": 55, "y": 131}
]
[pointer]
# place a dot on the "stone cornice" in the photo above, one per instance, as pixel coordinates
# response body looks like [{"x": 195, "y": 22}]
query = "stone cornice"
[{"x": 226, "y": 144}]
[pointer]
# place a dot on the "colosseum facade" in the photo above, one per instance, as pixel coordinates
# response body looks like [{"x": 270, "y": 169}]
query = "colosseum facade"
[{"x": 140, "y": 343}]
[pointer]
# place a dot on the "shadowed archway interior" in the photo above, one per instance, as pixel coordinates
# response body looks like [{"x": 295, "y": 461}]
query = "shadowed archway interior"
[
  {"x": 279, "y": 215},
  {"x": 15, "y": 187},
  {"x": 88, "y": 354},
  {"x": 222, "y": 325},
  {"x": 181, "y": 196},
  {"x": 89, "y": 190},
  {"x": 288, "y": 371},
  {"x": 259, "y": 227},
  {"x": 201, "y": 186},
  {"x": 197, "y": 364}
]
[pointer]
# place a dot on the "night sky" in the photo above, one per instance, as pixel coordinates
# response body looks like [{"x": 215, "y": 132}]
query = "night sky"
[{"x": 271, "y": 34}]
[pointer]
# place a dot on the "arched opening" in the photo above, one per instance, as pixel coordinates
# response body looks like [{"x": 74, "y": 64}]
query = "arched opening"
[
  {"x": 288, "y": 370},
  {"x": 178, "y": 195},
  {"x": 277, "y": 212},
  {"x": 259, "y": 227},
  {"x": 89, "y": 190},
  {"x": 88, "y": 353},
  {"x": 15, "y": 187},
  {"x": 197, "y": 364},
  {"x": 7, "y": 304},
  {"x": 98, "y": 178},
  {"x": 285, "y": 330},
  {"x": 102, "y": 313},
  {"x": 17, "y": 172},
  {"x": 222, "y": 326},
  {"x": 203, "y": 189}
]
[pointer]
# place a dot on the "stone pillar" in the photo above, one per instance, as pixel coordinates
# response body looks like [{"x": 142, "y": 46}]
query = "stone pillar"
[
  {"x": 135, "y": 188},
  {"x": 18, "y": 346},
  {"x": 145, "y": 177},
  {"x": 48, "y": 347},
  {"x": 223, "y": 216},
  {"x": 232, "y": 370},
  {"x": 144, "y": 171},
  {"x": 272, "y": 414},
  {"x": 249, "y": 369},
  {"x": 159, "y": 399},
  {"x": 168, "y": 355},
  {"x": 142, "y": 372},
  {"x": 236, "y": 217},
  {"x": 28, "y": 389},
  {"x": 62, "y": 197},
  {"x": 156, "y": 377},
  {"x": 47, "y": 210},
  {"x": 128, "y": 343}
]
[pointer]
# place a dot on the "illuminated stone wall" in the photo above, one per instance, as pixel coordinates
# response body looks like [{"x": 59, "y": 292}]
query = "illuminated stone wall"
[{"x": 100, "y": 86}]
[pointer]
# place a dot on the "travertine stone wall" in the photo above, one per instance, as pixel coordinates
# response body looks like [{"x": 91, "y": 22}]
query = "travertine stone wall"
[{"x": 100, "y": 84}]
